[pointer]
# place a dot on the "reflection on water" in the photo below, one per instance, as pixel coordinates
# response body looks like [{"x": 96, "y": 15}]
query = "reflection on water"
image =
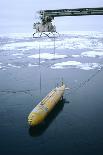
[{"x": 40, "y": 129}]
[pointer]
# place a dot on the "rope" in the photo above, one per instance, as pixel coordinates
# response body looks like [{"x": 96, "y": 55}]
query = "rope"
[
  {"x": 39, "y": 53},
  {"x": 28, "y": 91},
  {"x": 54, "y": 46},
  {"x": 83, "y": 83}
]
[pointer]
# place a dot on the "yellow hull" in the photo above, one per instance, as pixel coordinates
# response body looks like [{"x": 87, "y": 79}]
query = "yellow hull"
[{"x": 40, "y": 112}]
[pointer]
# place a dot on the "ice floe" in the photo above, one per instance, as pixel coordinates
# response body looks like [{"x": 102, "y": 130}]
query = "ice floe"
[
  {"x": 17, "y": 35},
  {"x": 75, "y": 33},
  {"x": 70, "y": 40},
  {"x": 2, "y": 66},
  {"x": 10, "y": 65},
  {"x": 18, "y": 46},
  {"x": 19, "y": 57},
  {"x": 18, "y": 54},
  {"x": 92, "y": 54},
  {"x": 75, "y": 64},
  {"x": 48, "y": 56},
  {"x": 32, "y": 65},
  {"x": 84, "y": 33},
  {"x": 75, "y": 56},
  {"x": 80, "y": 46}
]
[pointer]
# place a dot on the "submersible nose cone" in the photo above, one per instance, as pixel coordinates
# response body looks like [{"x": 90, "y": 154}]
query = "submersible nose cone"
[{"x": 34, "y": 119}]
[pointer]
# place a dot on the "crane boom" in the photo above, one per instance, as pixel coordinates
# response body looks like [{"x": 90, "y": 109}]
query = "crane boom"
[
  {"x": 47, "y": 16},
  {"x": 71, "y": 12}
]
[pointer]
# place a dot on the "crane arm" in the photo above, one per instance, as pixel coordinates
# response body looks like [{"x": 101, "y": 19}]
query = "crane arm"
[{"x": 51, "y": 14}]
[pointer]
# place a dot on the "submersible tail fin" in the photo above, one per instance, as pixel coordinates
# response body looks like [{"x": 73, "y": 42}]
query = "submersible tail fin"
[
  {"x": 66, "y": 88},
  {"x": 62, "y": 81}
]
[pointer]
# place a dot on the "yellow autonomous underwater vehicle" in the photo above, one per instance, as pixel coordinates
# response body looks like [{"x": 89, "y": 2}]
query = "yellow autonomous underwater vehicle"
[{"x": 40, "y": 112}]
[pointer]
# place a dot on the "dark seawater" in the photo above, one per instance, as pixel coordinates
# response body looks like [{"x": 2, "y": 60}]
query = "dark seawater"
[{"x": 75, "y": 126}]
